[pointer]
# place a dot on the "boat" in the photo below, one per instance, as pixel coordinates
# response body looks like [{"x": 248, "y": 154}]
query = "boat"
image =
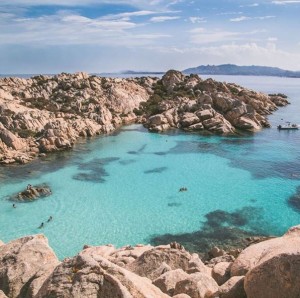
[{"x": 288, "y": 126}]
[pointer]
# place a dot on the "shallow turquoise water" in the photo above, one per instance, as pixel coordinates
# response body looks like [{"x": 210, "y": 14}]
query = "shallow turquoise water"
[{"x": 123, "y": 188}]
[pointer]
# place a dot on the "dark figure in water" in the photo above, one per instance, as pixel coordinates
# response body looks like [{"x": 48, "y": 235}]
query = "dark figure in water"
[
  {"x": 14, "y": 206},
  {"x": 49, "y": 219},
  {"x": 29, "y": 186},
  {"x": 183, "y": 189},
  {"x": 41, "y": 226}
]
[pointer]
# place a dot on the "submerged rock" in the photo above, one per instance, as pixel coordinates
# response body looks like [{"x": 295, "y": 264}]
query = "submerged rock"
[{"x": 32, "y": 193}]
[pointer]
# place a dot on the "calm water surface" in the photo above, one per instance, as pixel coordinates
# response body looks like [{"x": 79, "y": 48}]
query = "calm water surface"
[{"x": 123, "y": 188}]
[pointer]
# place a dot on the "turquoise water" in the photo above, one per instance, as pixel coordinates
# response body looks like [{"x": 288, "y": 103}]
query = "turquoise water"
[{"x": 123, "y": 188}]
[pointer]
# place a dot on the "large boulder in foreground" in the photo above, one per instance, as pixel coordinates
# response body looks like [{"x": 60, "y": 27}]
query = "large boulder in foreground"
[
  {"x": 233, "y": 288},
  {"x": 266, "y": 250},
  {"x": 272, "y": 267},
  {"x": 25, "y": 264},
  {"x": 2, "y": 295},
  {"x": 154, "y": 262},
  {"x": 91, "y": 275}
]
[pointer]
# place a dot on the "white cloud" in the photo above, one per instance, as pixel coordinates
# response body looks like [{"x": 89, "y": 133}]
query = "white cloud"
[
  {"x": 244, "y": 18},
  {"x": 65, "y": 28},
  {"x": 250, "y": 5},
  {"x": 240, "y": 19},
  {"x": 284, "y": 2},
  {"x": 163, "y": 19},
  {"x": 272, "y": 39},
  {"x": 196, "y": 20}
]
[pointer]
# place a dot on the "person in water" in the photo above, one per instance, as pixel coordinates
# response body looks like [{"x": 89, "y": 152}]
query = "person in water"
[
  {"x": 14, "y": 206},
  {"x": 41, "y": 226},
  {"x": 50, "y": 218}
]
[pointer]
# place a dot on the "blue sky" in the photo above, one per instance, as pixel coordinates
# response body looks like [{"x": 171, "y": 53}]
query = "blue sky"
[{"x": 50, "y": 36}]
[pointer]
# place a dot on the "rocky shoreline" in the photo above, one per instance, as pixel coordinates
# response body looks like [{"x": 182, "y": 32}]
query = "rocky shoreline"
[
  {"x": 49, "y": 113},
  {"x": 269, "y": 269}
]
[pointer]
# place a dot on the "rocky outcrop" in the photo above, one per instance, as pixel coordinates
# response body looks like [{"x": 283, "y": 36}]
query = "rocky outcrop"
[
  {"x": 49, "y": 113},
  {"x": 24, "y": 265},
  {"x": 190, "y": 103},
  {"x": 30, "y": 269},
  {"x": 32, "y": 193}
]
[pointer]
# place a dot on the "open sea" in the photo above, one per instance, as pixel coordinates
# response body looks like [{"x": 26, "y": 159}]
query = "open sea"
[{"x": 124, "y": 188}]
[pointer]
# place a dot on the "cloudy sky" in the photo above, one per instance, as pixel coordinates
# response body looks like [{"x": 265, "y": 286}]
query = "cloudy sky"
[{"x": 50, "y": 36}]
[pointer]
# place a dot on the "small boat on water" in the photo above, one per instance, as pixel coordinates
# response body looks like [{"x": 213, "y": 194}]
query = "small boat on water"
[{"x": 288, "y": 126}]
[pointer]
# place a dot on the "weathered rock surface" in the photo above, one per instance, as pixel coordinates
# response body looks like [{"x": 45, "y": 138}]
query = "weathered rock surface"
[
  {"x": 2, "y": 295},
  {"x": 275, "y": 271},
  {"x": 192, "y": 104},
  {"x": 24, "y": 265},
  {"x": 197, "y": 285},
  {"x": 1, "y": 243},
  {"x": 152, "y": 263},
  {"x": 221, "y": 272},
  {"x": 167, "y": 281},
  {"x": 49, "y": 113},
  {"x": 233, "y": 288},
  {"x": 266, "y": 250},
  {"x": 91, "y": 275}
]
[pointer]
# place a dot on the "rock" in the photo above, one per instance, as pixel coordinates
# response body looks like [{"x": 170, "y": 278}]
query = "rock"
[
  {"x": 93, "y": 276},
  {"x": 1, "y": 243},
  {"x": 273, "y": 270},
  {"x": 256, "y": 254},
  {"x": 224, "y": 258},
  {"x": 32, "y": 193},
  {"x": 233, "y": 288},
  {"x": 10, "y": 140},
  {"x": 197, "y": 285},
  {"x": 221, "y": 272},
  {"x": 25, "y": 264},
  {"x": 196, "y": 265},
  {"x": 167, "y": 281},
  {"x": 150, "y": 261},
  {"x": 188, "y": 119},
  {"x": 216, "y": 252},
  {"x": 2, "y": 295},
  {"x": 171, "y": 78},
  {"x": 182, "y": 296}
]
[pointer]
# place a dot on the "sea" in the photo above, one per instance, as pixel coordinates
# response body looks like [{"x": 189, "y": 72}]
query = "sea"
[{"x": 123, "y": 188}]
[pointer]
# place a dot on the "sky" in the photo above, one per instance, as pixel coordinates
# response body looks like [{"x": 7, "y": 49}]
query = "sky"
[{"x": 96, "y": 36}]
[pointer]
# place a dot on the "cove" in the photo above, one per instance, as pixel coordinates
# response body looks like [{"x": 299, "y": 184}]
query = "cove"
[{"x": 124, "y": 188}]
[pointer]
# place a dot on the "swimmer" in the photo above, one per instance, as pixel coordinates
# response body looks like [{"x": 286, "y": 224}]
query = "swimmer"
[
  {"x": 50, "y": 218},
  {"x": 14, "y": 206},
  {"x": 41, "y": 226}
]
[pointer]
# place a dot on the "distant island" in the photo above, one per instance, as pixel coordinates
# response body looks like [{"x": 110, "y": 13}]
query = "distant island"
[{"x": 232, "y": 69}]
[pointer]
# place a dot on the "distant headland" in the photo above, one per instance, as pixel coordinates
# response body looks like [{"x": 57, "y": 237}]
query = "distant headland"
[{"x": 232, "y": 69}]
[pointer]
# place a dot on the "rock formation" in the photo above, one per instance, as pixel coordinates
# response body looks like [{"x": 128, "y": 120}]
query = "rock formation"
[
  {"x": 49, "y": 113},
  {"x": 30, "y": 269},
  {"x": 32, "y": 193},
  {"x": 193, "y": 104}
]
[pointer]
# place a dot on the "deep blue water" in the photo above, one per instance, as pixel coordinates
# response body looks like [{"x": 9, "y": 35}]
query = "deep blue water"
[{"x": 123, "y": 188}]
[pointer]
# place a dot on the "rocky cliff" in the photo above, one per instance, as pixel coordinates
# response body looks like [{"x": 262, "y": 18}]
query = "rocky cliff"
[
  {"x": 49, "y": 113},
  {"x": 269, "y": 269}
]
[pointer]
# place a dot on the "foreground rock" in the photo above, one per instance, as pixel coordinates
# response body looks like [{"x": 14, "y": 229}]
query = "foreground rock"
[
  {"x": 269, "y": 269},
  {"x": 193, "y": 104},
  {"x": 24, "y": 265},
  {"x": 32, "y": 193},
  {"x": 94, "y": 276}
]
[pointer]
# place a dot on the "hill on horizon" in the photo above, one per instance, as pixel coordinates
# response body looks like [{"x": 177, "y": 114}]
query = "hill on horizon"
[{"x": 232, "y": 69}]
